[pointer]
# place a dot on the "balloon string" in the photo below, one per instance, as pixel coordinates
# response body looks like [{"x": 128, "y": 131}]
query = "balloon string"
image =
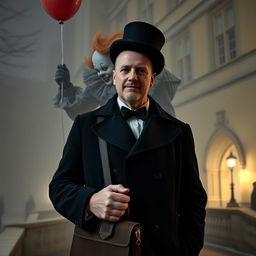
[
  {"x": 62, "y": 58},
  {"x": 62, "y": 44},
  {"x": 62, "y": 127},
  {"x": 62, "y": 62}
]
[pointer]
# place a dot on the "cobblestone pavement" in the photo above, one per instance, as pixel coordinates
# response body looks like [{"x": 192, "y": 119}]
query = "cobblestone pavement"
[{"x": 218, "y": 252}]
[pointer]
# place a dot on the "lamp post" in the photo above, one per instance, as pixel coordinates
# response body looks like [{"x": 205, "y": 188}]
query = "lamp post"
[{"x": 231, "y": 162}]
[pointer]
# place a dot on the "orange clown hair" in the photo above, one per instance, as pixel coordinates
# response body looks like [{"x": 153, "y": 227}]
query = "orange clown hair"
[{"x": 102, "y": 44}]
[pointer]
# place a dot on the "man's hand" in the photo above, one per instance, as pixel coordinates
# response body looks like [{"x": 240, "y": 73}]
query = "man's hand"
[
  {"x": 62, "y": 76},
  {"x": 110, "y": 203}
]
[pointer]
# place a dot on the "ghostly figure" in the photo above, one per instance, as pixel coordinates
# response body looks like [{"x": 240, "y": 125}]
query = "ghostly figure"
[
  {"x": 253, "y": 197},
  {"x": 98, "y": 82}
]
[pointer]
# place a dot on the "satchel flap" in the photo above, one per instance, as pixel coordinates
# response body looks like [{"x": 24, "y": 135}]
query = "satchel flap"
[
  {"x": 120, "y": 236},
  {"x": 106, "y": 229}
]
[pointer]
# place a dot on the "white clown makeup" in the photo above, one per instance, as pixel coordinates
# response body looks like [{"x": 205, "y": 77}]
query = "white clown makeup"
[{"x": 104, "y": 67}]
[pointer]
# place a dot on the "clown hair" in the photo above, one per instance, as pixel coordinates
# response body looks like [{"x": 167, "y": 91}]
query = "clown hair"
[{"x": 102, "y": 44}]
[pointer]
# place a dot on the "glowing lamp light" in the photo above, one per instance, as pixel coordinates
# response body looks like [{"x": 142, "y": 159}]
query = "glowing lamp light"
[{"x": 231, "y": 160}]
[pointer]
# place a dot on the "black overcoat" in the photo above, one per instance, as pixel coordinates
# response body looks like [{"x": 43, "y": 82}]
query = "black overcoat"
[{"x": 160, "y": 169}]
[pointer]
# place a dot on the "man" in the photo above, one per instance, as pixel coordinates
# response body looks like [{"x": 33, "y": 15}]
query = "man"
[
  {"x": 152, "y": 159},
  {"x": 253, "y": 197}
]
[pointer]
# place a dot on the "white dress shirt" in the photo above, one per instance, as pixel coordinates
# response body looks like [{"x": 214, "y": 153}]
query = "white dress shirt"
[{"x": 134, "y": 123}]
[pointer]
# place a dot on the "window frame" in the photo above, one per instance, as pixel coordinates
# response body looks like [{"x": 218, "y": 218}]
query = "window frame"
[
  {"x": 229, "y": 53},
  {"x": 183, "y": 56}
]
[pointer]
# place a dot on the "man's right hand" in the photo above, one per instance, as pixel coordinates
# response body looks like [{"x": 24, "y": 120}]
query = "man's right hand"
[
  {"x": 110, "y": 203},
  {"x": 62, "y": 76}
]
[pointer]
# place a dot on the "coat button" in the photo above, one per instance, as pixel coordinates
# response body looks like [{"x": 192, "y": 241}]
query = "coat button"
[
  {"x": 156, "y": 227},
  {"x": 158, "y": 175},
  {"x": 115, "y": 171}
]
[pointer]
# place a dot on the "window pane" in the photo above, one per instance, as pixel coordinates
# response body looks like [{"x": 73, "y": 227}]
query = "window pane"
[
  {"x": 232, "y": 43},
  {"x": 218, "y": 25},
  {"x": 183, "y": 57},
  {"x": 221, "y": 49},
  {"x": 230, "y": 21},
  {"x": 224, "y": 34}
]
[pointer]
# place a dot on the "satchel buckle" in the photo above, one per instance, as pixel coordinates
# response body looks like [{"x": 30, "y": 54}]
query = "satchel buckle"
[{"x": 138, "y": 236}]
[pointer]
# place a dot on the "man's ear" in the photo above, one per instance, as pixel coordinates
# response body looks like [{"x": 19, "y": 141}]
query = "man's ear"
[
  {"x": 153, "y": 77},
  {"x": 114, "y": 77}
]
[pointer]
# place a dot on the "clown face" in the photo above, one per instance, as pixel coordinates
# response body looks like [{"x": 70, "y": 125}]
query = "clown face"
[{"x": 104, "y": 67}]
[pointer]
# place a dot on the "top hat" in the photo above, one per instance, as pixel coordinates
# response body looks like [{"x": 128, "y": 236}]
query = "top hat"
[{"x": 143, "y": 38}]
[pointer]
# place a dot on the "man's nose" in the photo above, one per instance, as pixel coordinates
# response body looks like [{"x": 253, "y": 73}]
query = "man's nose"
[{"x": 133, "y": 75}]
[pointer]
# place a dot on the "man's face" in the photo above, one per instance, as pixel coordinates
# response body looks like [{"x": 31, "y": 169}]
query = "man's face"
[
  {"x": 133, "y": 77},
  {"x": 104, "y": 67}
]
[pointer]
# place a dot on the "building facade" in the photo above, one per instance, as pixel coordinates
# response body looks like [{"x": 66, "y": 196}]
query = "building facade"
[{"x": 211, "y": 46}]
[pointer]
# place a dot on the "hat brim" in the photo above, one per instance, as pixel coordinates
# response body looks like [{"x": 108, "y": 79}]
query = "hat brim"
[{"x": 154, "y": 55}]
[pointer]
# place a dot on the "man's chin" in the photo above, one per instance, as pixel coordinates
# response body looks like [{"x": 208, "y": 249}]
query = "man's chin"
[{"x": 133, "y": 98}]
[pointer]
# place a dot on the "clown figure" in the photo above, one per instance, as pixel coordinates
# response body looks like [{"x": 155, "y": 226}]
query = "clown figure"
[{"x": 98, "y": 82}]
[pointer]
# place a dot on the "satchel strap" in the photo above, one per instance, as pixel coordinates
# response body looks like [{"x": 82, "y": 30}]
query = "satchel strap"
[
  {"x": 106, "y": 227},
  {"x": 105, "y": 161}
]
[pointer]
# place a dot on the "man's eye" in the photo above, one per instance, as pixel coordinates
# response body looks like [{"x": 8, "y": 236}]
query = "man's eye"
[
  {"x": 141, "y": 70},
  {"x": 124, "y": 70}
]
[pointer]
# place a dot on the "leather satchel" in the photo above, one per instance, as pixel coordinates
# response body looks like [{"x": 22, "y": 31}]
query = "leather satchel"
[{"x": 123, "y": 238}]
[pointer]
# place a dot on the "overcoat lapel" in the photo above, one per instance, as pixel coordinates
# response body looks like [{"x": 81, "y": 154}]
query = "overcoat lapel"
[
  {"x": 156, "y": 133},
  {"x": 113, "y": 128},
  {"x": 160, "y": 129}
]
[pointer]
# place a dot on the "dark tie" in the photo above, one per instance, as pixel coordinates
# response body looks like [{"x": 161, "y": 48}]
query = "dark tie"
[{"x": 140, "y": 113}]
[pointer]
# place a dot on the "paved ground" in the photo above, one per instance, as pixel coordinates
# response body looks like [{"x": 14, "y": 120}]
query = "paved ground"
[
  {"x": 210, "y": 252},
  {"x": 218, "y": 251}
]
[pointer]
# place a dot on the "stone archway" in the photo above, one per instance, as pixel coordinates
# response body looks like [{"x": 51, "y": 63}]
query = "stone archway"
[{"x": 220, "y": 144}]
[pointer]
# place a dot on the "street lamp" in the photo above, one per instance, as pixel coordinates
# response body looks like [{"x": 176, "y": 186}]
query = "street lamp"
[{"x": 231, "y": 162}]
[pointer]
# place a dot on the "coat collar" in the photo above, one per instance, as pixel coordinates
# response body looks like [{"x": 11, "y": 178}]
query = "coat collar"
[{"x": 159, "y": 130}]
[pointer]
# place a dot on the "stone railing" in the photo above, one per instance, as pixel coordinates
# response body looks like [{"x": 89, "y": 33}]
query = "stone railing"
[
  {"x": 37, "y": 237},
  {"x": 232, "y": 228},
  {"x": 44, "y": 234},
  {"x": 11, "y": 241}
]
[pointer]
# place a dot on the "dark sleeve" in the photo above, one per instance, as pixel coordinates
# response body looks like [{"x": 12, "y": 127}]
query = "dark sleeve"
[
  {"x": 193, "y": 201},
  {"x": 67, "y": 189}
]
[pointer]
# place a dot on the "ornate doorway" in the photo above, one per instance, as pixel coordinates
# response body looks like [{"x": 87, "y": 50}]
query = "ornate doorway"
[{"x": 222, "y": 142}]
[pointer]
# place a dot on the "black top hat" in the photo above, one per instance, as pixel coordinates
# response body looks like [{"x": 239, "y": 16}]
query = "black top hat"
[{"x": 143, "y": 38}]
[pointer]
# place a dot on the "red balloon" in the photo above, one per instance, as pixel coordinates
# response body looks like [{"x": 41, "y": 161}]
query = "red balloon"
[{"x": 61, "y": 10}]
